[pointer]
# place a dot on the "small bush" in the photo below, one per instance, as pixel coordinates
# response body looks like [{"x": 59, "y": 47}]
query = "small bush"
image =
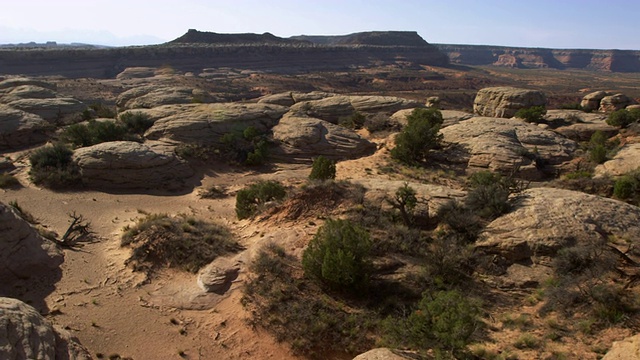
[
  {"x": 247, "y": 147},
  {"x": 249, "y": 199},
  {"x": 444, "y": 320},
  {"x": 182, "y": 242},
  {"x": 378, "y": 122},
  {"x": 94, "y": 132},
  {"x": 623, "y": 117},
  {"x": 626, "y": 187},
  {"x": 355, "y": 121},
  {"x": 534, "y": 114},
  {"x": 338, "y": 256},
  {"x": 527, "y": 341},
  {"x": 323, "y": 169},
  {"x": 419, "y": 136},
  {"x": 136, "y": 122},
  {"x": 8, "y": 181},
  {"x": 102, "y": 111},
  {"x": 460, "y": 220},
  {"x": 52, "y": 166},
  {"x": 571, "y": 106}
]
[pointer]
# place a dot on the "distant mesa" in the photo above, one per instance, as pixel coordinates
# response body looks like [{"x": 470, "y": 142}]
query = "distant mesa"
[
  {"x": 377, "y": 38},
  {"x": 202, "y": 37}
]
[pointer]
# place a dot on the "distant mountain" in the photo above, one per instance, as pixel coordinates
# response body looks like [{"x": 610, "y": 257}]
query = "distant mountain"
[
  {"x": 378, "y": 38},
  {"x": 202, "y": 37}
]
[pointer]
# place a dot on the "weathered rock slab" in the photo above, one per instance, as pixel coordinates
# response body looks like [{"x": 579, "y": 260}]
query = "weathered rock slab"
[
  {"x": 626, "y": 160},
  {"x": 627, "y": 349},
  {"x": 218, "y": 275},
  {"x": 19, "y": 128},
  {"x": 504, "y": 102}
]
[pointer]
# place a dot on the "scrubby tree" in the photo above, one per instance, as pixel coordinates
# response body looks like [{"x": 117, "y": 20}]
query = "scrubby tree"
[
  {"x": 323, "y": 169},
  {"x": 623, "y": 117},
  {"x": 337, "y": 256},
  {"x": 249, "y": 199},
  {"x": 419, "y": 136},
  {"x": 405, "y": 202},
  {"x": 534, "y": 114}
]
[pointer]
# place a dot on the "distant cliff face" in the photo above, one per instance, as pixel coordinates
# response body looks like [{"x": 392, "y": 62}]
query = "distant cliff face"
[
  {"x": 197, "y": 50},
  {"x": 530, "y": 58}
]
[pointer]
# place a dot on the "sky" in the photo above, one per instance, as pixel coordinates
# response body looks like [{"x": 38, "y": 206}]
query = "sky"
[{"x": 586, "y": 24}]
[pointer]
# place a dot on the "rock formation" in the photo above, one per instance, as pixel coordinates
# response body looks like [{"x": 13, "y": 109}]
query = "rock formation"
[
  {"x": 614, "y": 102},
  {"x": 150, "y": 96},
  {"x": 627, "y": 349},
  {"x": 547, "y": 220},
  {"x": 23, "y": 252},
  {"x": 25, "y": 334},
  {"x": 498, "y": 144},
  {"x": 20, "y": 129},
  {"x": 303, "y": 138},
  {"x": 130, "y": 165},
  {"x": 218, "y": 275},
  {"x": 591, "y": 101},
  {"x": 506, "y": 101},
  {"x": 578, "y": 125},
  {"x": 205, "y": 124},
  {"x": 626, "y": 160},
  {"x": 385, "y": 354}
]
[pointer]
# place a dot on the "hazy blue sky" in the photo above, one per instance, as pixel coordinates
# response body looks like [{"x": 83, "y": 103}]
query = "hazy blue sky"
[{"x": 612, "y": 24}]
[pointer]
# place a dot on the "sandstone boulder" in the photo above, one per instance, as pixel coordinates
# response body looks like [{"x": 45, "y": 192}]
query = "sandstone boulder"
[
  {"x": 614, "y": 102},
  {"x": 548, "y": 219},
  {"x": 386, "y": 354},
  {"x": 19, "y": 128},
  {"x": 25, "y": 334},
  {"x": 333, "y": 108},
  {"x": 27, "y": 92},
  {"x": 627, "y": 349},
  {"x": 20, "y": 81},
  {"x": 591, "y": 101},
  {"x": 433, "y": 102},
  {"x": 303, "y": 138},
  {"x": 150, "y": 96},
  {"x": 577, "y": 125},
  {"x": 23, "y": 252},
  {"x": 52, "y": 110},
  {"x": 218, "y": 275},
  {"x": 483, "y": 143},
  {"x": 504, "y": 102},
  {"x": 626, "y": 160},
  {"x": 130, "y": 165},
  {"x": 205, "y": 124}
]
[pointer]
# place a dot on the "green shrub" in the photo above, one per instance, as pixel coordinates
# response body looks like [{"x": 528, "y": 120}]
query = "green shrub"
[
  {"x": 377, "y": 122},
  {"x": 534, "y": 114},
  {"x": 598, "y": 154},
  {"x": 248, "y": 146},
  {"x": 444, "y": 320},
  {"x": 625, "y": 187},
  {"x": 102, "y": 111},
  {"x": 355, "y": 121},
  {"x": 323, "y": 169},
  {"x": 8, "y": 181},
  {"x": 249, "y": 199},
  {"x": 136, "y": 122},
  {"x": 182, "y": 242},
  {"x": 623, "y": 117},
  {"x": 460, "y": 220},
  {"x": 600, "y": 148},
  {"x": 489, "y": 201},
  {"x": 93, "y": 132},
  {"x": 419, "y": 136},
  {"x": 338, "y": 255},
  {"x": 405, "y": 202},
  {"x": 53, "y": 167},
  {"x": 571, "y": 106}
]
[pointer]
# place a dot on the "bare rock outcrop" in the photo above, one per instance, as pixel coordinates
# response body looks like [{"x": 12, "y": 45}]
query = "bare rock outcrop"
[
  {"x": 449, "y": 117},
  {"x": 130, "y": 165},
  {"x": 218, "y": 275},
  {"x": 626, "y": 160},
  {"x": 137, "y": 72},
  {"x": 496, "y": 144},
  {"x": 27, "y": 92},
  {"x": 303, "y": 138},
  {"x": 150, "y": 96},
  {"x": 25, "y": 334},
  {"x": 333, "y": 108},
  {"x": 21, "y": 81},
  {"x": 548, "y": 219},
  {"x": 50, "y": 109},
  {"x": 591, "y": 101},
  {"x": 578, "y": 125},
  {"x": 386, "y": 354},
  {"x": 614, "y": 102},
  {"x": 19, "y": 128},
  {"x": 205, "y": 124},
  {"x": 291, "y": 97},
  {"x": 504, "y": 102},
  {"x": 23, "y": 252},
  {"x": 627, "y": 349}
]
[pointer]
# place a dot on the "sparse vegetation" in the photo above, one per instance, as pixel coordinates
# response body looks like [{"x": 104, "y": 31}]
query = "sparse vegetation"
[
  {"x": 136, "y": 122},
  {"x": 623, "y": 117},
  {"x": 354, "y": 121},
  {"x": 323, "y": 169},
  {"x": 251, "y": 198},
  {"x": 419, "y": 136},
  {"x": 8, "y": 181},
  {"x": 53, "y": 167},
  {"x": 247, "y": 147},
  {"x": 534, "y": 114},
  {"x": 181, "y": 241}
]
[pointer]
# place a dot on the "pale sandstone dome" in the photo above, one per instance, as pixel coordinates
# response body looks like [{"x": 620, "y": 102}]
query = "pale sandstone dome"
[
  {"x": 333, "y": 108},
  {"x": 497, "y": 144},
  {"x": 205, "y": 124},
  {"x": 20, "y": 81},
  {"x": 591, "y": 101},
  {"x": 19, "y": 128},
  {"x": 449, "y": 117},
  {"x": 504, "y": 102},
  {"x": 614, "y": 102},
  {"x": 546, "y": 220},
  {"x": 580, "y": 125},
  {"x": 50, "y": 109},
  {"x": 627, "y": 349},
  {"x": 150, "y": 96},
  {"x": 384, "y": 354},
  {"x": 138, "y": 72},
  {"x": 27, "y": 92},
  {"x": 25, "y": 334},
  {"x": 23, "y": 252},
  {"x": 291, "y": 97},
  {"x": 130, "y": 165},
  {"x": 303, "y": 138},
  {"x": 626, "y": 160}
]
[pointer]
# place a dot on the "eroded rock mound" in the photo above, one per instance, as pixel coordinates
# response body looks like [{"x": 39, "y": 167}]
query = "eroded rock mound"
[
  {"x": 291, "y": 97},
  {"x": 130, "y": 165},
  {"x": 23, "y": 252},
  {"x": 25, "y": 334},
  {"x": 150, "y": 96},
  {"x": 497, "y": 144},
  {"x": 626, "y": 160},
  {"x": 547, "y": 220},
  {"x": 21, "y": 81},
  {"x": 504, "y": 102},
  {"x": 614, "y": 102},
  {"x": 50, "y": 109},
  {"x": 218, "y": 275},
  {"x": 386, "y": 354},
  {"x": 579, "y": 126},
  {"x": 303, "y": 138},
  {"x": 205, "y": 124},
  {"x": 627, "y": 349},
  {"x": 591, "y": 101},
  {"x": 19, "y": 128},
  {"x": 27, "y": 92}
]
